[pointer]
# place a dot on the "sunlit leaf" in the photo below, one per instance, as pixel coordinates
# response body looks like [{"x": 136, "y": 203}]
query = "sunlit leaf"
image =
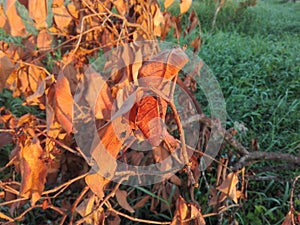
[
  {"x": 185, "y": 5},
  {"x": 33, "y": 170},
  {"x": 6, "y": 68}
]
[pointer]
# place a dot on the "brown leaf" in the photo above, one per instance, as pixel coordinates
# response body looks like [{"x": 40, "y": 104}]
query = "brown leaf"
[
  {"x": 33, "y": 170},
  {"x": 196, "y": 43},
  {"x": 97, "y": 184},
  {"x": 165, "y": 64},
  {"x": 44, "y": 40},
  {"x": 288, "y": 219},
  {"x": 3, "y": 20},
  {"x": 64, "y": 103},
  {"x": 149, "y": 119},
  {"x": 142, "y": 202},
  {"x": 17, "y": 27},
  {"x": 96, "y": 93},
  {"x": 122, "y": 200},
  {"x": 61, "y": 16},
  {"x": 86, "y": 207},
  {"x": 185, "y": 5},
  {"x": 228, "y": 186},
  {"x": 37, "y": 10},
  {"x": 6, "y": 68},
  {"x": 188, "y": 212}
]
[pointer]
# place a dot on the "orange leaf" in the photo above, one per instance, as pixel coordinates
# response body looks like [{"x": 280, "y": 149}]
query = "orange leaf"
[
  {"x": 3, "y": 20},
  {"x": 64, "y": 103},
  {"x": 6, "y": 68},
  {"x": 37, "y": 10},
  {"x": 17, "y": 27},
  {"x": 168, "y": 3},
  {"x": 165, "y": 64},
  {"x": 97, "y": 184},
  {"x": 185, "y": 5},
  {"x": 44, "y": 40},
  {"x": 122, "y": 200},
  {"x": 61, "y": 16},
  {"x": 187, "y": 211},
  {"x": 33, "y": 170},
  {"x": 228, "y": 186}
]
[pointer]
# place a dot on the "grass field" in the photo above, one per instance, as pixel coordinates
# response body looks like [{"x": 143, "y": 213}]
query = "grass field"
[{"x": 255, "y": 56}]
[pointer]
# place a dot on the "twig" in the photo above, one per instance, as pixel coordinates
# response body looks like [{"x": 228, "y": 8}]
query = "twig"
[
  {"x": 136, "y": 219},
  {"x": 78, "y": 199},
  {"x": 181, "y": 133},
  {"x": 63, "y": 186},
  {"x": 111, "y": 194},
  {"x": 11, "y": 162}
]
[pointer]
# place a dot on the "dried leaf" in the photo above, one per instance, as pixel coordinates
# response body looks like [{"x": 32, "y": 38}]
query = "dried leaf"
[
  {"x": 38, "y": 12},
  {"x": 85, "y": 208},
  {"x": 165, "y": 64},
  {"x": 33, "y": 170},
  {"x": 142, "y": 202},
  {"x": 3, "y": 20},
  {"x": 168, "y": 3},
  {"x": 64, "y": 103},
  {"x": 6, "y": 68},
  {"x": 288, "y": 219},
  {"x": 96, "y": 183},
  {"x": 185, "y": 5},
  {"x": 228, "y": 186},
  {"x": 44, "y": 40},
  {"x": 61, "y": 16},
  {"x": 122, "y": 200},
  {"x": 188, "y": 212},
  {"x": 196, "y": 43},
  {"x": 17, "y": 27}
]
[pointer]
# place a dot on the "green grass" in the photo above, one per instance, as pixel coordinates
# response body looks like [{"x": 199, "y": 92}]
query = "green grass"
[{"x": 254, "y": 54}]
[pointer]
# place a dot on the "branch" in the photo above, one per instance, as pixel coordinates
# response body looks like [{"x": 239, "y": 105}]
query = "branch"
[{"x": 266, "y": 156}]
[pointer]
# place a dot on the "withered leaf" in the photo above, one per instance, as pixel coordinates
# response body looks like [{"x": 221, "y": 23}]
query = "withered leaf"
[
  {"x": 17, "y": 27},
  {"x": 64, "y": 103},
  {"x": 149, "y": 119},
  {"x": 33, "y": 170},
  {"x": 86, "y": 207},
  {"x": 196, "y": 43},
  {"x": 187, "y": 212},
  {"x": 185, "y": 5},
  {"x": 165, "y": 64},
  {"x": 228, "y": 186},
  {"x": 3, "y": 20},
  {"x": 168, "y": 3},
  {"x": 44, "y": 40},
  {"x": 6, "y": 68},
  {"x": 122, "y": 200},
  {"x": 96, "y": 183},
  {"x": 38, "y": 12},
  {"x": 61, "y": 16},
  {"x": 288, "y": 219},
  {"x": 142, "y": 202}
]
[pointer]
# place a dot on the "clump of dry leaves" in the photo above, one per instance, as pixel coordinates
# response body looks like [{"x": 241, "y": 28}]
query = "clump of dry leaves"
[{"x": 61, "y": 153}]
